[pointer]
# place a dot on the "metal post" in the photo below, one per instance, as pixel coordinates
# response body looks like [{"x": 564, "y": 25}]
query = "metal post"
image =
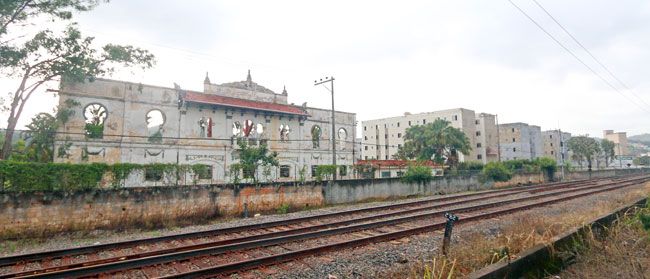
[
  {"x": 498, "y": 139},
  {"x": 451, "y": 218},
  {"x": 562, "y": 152},
  {"x": 331, "y": 80}
]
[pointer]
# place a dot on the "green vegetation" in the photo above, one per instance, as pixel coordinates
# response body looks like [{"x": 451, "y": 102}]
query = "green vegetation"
[
  {"x": 283, "y": 209},
  {"x": 642, "y": 161},
  {"x": 417, "y": 174},
  {"x": 33, "y": 176},
  {"x": 325, "y": 172},
  {"x": 497, "y": 171},
  {"x": 38, "y": 56},
  {"x": 585, "y": 150},
  {"x": 436, "y": 141},
  {"x": 251, "y": 157},
  {"x": 607, "y": 147}
]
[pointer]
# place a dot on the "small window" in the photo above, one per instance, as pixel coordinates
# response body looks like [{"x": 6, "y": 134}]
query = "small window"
[
  {"x": 479, "y": 156},
  {"x": 552, "y": 152},
  {"x": 478, "y": 133},
  {"x": 386, "y": 136},
  {"x": 399, "y": 135},
  {"x": 386, "y": 147},
  {"x": 478, "y": 145},
  {"x": 551, "y": 144},
  {"x": 455, "y": 117},
  {"x": 513, "y": 139},
  {"x": 365, "y": 137},
  {"x": 313, "y": 170},
  {"x": 366, "y": 147},
  {"x": 343, "y": 170},
  {"x": 424, "y": 121},
  {"x": 365, "y": 158},
  {"x": 513, "y": 130},
  {"x": 397, "y": 124},
  {"x": 386, "y": 157},
  {"x": 365, "y": 128},
  {"x": 409, "y": 123},
  {"x": 550, "y": 136},
  {"x": 285, "y": 171},
  {"x": 151, "y": 174},
  {"x": 514, "y": 149},
  {"x": 477, "y": 122},
  {"x": 385, "y": 174}
]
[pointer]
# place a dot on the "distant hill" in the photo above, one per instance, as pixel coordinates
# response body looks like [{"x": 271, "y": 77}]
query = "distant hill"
[{"x": 643, "y": 138}]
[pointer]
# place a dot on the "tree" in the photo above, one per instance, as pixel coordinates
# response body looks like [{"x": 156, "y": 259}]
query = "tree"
[
  {"x": 607, "y": 147},
  {"x": 250, "y": 158},
  {"x": 437, "y": 141},
  {"x": 47, "y": 55},
  {"x": 497, "y": 171},
  {"x": 584, "y": 149},
  {"x": 642, "y": 161}
]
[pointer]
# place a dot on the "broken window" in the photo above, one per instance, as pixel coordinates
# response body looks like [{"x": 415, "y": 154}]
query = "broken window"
[
  {"x": 314, "y": 171},
  {"x": 153, "y": 174},
  {"x": 236, "y": 128},
  {"x": 155, "y": 120},
  {"x": 315, "y": 136},
  {"x": 248, "y": 127},
  {"x": 285, "y": 171},
  {"x": 284, "y": 132},
  {"x": 205, "y": 126},
  {"x": 343, "y": 134},
  {"x": 204, "y": 172},
  {"x": 343, "y": 170},
  {"x": 95, "y": 115}
]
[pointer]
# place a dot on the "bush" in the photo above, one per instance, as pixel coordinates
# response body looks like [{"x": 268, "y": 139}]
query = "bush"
[
  {"x": 497, "y": 171},
  {"x": 417, "y": 174},
  {"x": 471, "y": 166},
  {"x": 325, "y": 172},
  {"x": 547, "y": 165}
]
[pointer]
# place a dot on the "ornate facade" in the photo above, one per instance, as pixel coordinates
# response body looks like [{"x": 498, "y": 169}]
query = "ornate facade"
[{"x": 125, "y": 122}]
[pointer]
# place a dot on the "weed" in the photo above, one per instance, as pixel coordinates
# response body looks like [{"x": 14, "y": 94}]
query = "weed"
[{"x": 283, "y": 209}]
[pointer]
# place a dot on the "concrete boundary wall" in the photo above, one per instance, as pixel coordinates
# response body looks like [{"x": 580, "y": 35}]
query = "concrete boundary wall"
[
  {"x": 532, "y": 262},
  {"x": 146, "y": 207}
]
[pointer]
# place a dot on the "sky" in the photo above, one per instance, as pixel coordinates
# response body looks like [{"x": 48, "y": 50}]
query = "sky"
[{"x": 391, "y": 57}]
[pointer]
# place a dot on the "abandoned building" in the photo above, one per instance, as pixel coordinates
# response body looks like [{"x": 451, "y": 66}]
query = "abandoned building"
[{"x": 125, "y": 122}]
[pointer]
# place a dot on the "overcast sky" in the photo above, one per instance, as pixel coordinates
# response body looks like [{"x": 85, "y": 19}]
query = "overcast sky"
[{"x": 393, "y": 57}]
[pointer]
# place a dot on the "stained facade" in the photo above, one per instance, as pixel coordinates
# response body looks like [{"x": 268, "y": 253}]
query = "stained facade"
[
  {"x": 520, "y": 141},
  {"x": 125, "y": 122}
]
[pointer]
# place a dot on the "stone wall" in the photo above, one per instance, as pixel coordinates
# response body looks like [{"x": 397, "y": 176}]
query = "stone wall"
[
  {"x": 146, "y": 207},
  {"x": 38, "y": 213}
]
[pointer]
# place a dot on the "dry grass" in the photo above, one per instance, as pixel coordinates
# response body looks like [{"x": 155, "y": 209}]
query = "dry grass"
[
  {"x": 476, "y": 250},
  {"x": 624, "y": 253}
]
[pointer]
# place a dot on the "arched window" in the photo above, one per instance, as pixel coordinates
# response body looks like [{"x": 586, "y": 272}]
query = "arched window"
[
  {"x": 284, "y": 132},
  {"x": 236, "y": 128},
  {"x": 155, "y": 120},
  {"x": 259, "y": 129},
  {"x": 248, "y": 127},
  {"x": 95, "y": 115}
]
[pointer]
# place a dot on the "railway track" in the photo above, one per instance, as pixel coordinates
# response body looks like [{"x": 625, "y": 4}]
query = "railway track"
[{"x": 229, "y": 250}]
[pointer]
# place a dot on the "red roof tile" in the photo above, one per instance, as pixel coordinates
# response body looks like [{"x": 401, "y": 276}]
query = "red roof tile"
[{"x": 241, "y": 103}]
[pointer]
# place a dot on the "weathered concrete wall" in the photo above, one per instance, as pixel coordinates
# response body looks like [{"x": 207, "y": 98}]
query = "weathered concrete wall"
[{"x": 35, "y": 213}]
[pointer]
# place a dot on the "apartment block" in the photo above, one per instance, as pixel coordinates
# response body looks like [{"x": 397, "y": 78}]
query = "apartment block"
[
  {"x": 382, "y": 138},
  {"x": 620, "y": 139},
  {"x": 555, "y": 145},
  {"x": 520, "y": 141}
]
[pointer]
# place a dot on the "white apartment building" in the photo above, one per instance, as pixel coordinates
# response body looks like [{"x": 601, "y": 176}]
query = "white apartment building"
[
  {"x": 383, "y": 137},
  {"x": 520, "y": 141}
]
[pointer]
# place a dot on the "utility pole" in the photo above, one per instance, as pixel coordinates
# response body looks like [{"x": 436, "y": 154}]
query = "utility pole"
[
  {"x": 620, "y": 162},
  {"x": 561, "y": 151},
  {"x": 331, "y": 89},
  {"x": 498, "y": 139}
]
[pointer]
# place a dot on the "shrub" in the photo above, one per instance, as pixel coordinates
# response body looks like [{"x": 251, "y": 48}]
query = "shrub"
[
  {"x": 547, "y": 165},
  {"x": 283, "y": 209},
  {"x": 497, "y": 171},
  {"x": 325, "y": 172},
  {"x": 417, "y": 174}
]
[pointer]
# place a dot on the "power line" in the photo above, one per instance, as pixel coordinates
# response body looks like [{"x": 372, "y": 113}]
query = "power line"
[
  {"x": 590, "y": 54},
  {"x": 576, "y": 57}
]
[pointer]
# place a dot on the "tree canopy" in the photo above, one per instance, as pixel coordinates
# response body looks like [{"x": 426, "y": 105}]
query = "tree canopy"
[
  {"x": 585, "y": 149},
  {"x": 252, "y": 157},
  {"x": 607, "y": 148},
  {"x": 50, "y": 55},
  {"x": 436, "y": 141}
]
